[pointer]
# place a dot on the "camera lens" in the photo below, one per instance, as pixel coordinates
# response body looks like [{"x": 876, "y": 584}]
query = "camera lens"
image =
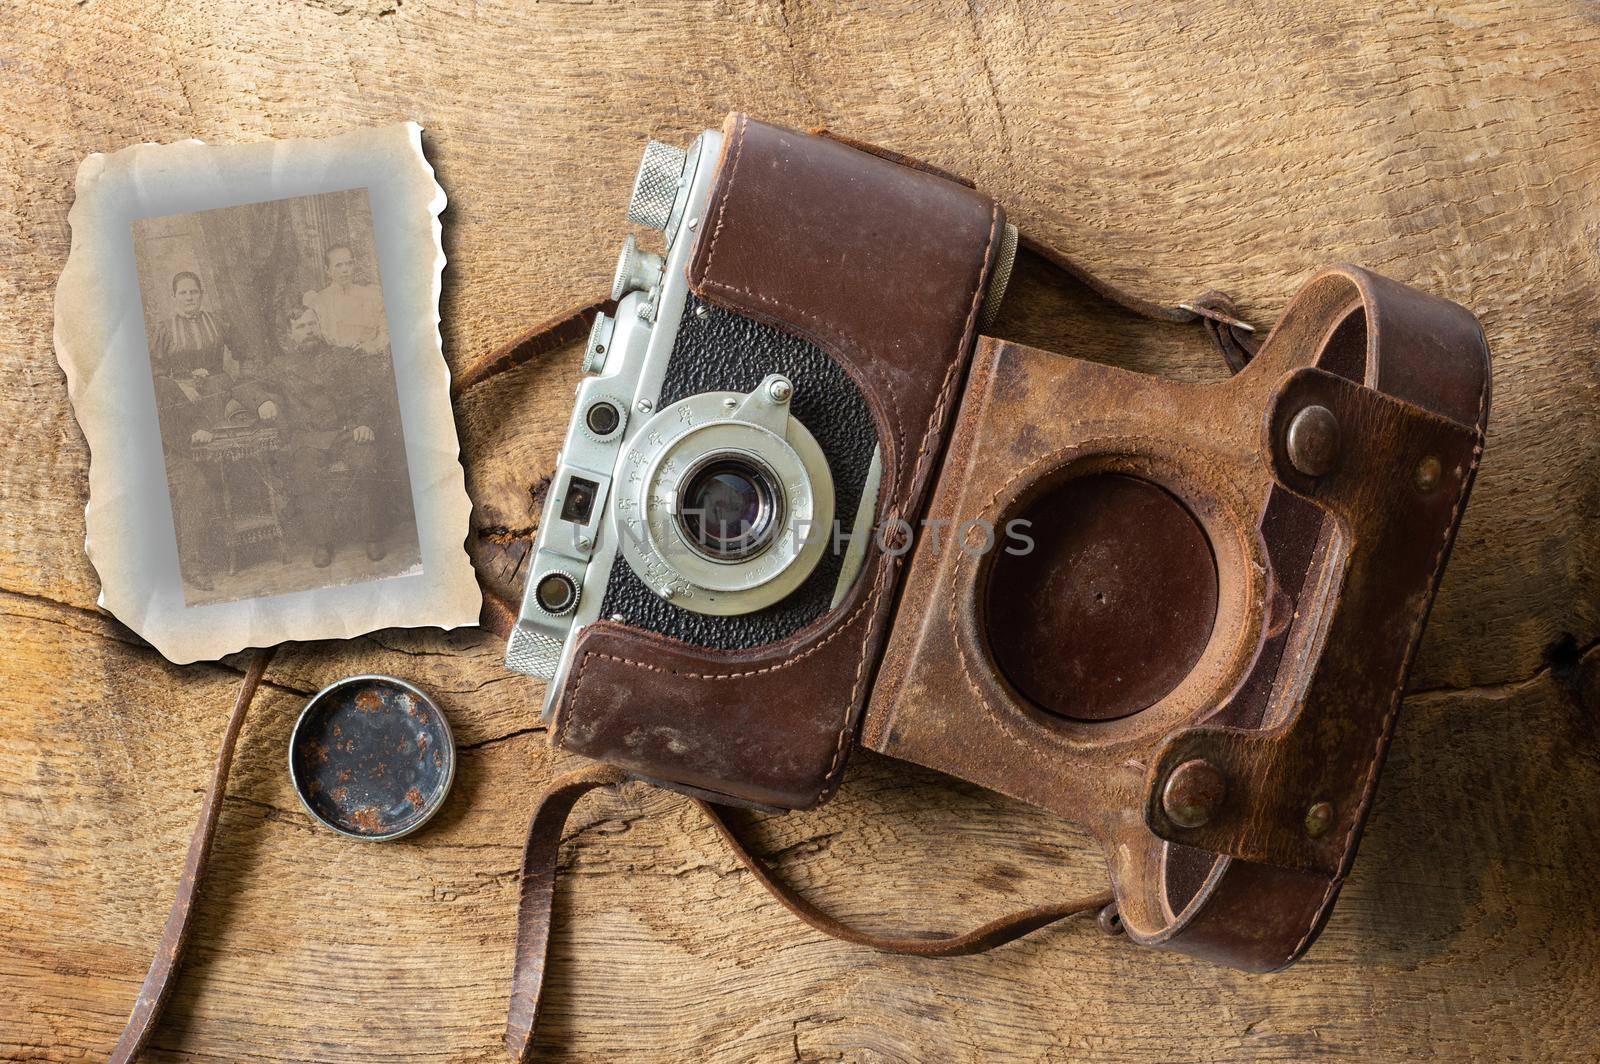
[{"x": 728, "y": 507}]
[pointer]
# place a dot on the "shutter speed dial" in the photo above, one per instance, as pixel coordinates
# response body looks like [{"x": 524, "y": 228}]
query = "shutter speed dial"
[{"x": 637, "y": 270}]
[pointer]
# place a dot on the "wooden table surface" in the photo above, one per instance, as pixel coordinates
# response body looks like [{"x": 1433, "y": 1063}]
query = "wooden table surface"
[{"x": 1455, "y": 147}]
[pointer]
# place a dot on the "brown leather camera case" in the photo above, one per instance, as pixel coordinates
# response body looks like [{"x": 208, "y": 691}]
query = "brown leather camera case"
[
  {"x": 883, "y": 265},
  {"x": 1202, "y": 659}
]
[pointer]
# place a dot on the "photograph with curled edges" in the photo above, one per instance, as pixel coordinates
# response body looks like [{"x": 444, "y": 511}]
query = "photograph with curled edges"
[{"x": 275, "y": 394}]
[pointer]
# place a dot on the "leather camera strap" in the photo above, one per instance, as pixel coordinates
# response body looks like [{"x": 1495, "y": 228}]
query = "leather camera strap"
[
  {"x": 1233, "y": 338},
  {"x": 158, "y": 981},
  {"x": 546, "y": 336},
  {"x": 540, "y": 858}
]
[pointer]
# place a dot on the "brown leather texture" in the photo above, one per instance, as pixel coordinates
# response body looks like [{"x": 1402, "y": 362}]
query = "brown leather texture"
[
  {"x": 536, "y": 897},
  {"x": 541, "y": 859},
  {"x": 1231, "y": 805},
  {"x": 883, "y": 266},
  {"x": 158, "y": 981},
  {"x": 534, "y": 341}
]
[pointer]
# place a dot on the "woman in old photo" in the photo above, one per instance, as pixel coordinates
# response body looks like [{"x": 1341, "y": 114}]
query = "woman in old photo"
[
  {"x": 191, "y": 342},
  {"x": 192, "y": 364}
]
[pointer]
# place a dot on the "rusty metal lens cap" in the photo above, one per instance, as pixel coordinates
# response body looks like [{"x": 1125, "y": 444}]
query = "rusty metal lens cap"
[{"x": 372, "y": 757}]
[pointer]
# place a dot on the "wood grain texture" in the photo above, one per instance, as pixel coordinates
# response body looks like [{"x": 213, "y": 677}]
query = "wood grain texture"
[{"x": 1171, "y": 150}]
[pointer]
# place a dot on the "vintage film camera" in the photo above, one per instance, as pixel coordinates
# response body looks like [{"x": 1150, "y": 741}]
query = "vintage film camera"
[{"x": 1200, "y": 658}]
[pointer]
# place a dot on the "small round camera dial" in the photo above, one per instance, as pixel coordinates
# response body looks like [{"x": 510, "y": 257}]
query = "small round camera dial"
[
  {"x": 556, "y": 593},
  {"x": 637, "y": 270},
  {"x": 599, "y": 343},
  {"x": 603, "y": 418},
  {"x": 655, "y": 186}
]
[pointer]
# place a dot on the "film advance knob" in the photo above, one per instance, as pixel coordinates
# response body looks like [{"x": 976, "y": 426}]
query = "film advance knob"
[
  {"x": 637, "y": 271},
  {"x": 656, "y": 187}
]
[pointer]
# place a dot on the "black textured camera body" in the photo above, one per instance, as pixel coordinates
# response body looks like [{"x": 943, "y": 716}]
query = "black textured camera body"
[{"x": 719, "y": 350}]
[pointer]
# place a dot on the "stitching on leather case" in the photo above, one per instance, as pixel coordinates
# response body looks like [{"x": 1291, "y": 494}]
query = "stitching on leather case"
[
  {"x": 774, "y": 667},
  {"x": 722, "y": 205},
  {"x": 589, "y": 655},
  {"x": 834, "y": 343},
  {"x": 947, "y": 389},
  {"x": 1394, "y": 703},
  {"x": 925, "y": 445},
  {"x": 842, "y": 745},
  {"x": 820, "y": 327}
]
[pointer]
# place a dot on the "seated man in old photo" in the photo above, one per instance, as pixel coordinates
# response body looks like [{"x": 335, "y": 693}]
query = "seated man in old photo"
[
  {"x": 350, "y": 314},
  {"x": 333, "y": 405}
]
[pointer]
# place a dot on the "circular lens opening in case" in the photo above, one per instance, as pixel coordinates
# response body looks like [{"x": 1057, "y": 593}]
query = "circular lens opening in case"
[
  {"x": 729, "y": 506},
  {"x": 1112, "y": 607}
]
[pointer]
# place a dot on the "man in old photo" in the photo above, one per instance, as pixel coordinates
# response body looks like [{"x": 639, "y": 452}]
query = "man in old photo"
[
  {"x": 351, "y": 314},
  {"x": 333, "y": 405}
]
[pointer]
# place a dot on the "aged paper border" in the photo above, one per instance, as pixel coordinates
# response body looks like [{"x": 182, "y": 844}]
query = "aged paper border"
[{"x": 101, "y": 344}]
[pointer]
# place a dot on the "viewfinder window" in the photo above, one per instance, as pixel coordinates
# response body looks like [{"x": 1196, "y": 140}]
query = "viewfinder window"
[{"x": 579, "y": 501}]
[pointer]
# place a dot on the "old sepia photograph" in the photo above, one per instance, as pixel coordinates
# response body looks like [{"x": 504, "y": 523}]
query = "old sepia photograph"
[
  {"x": 250, "y": 334},
  {"x": 274, "y": 383}
]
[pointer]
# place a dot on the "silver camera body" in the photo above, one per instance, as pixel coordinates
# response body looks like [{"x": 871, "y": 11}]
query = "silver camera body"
[{"x": 721, "y": 502}]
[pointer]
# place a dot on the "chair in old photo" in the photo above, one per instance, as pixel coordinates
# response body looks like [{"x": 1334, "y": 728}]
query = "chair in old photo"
[{"x": 252, "y": 503}]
